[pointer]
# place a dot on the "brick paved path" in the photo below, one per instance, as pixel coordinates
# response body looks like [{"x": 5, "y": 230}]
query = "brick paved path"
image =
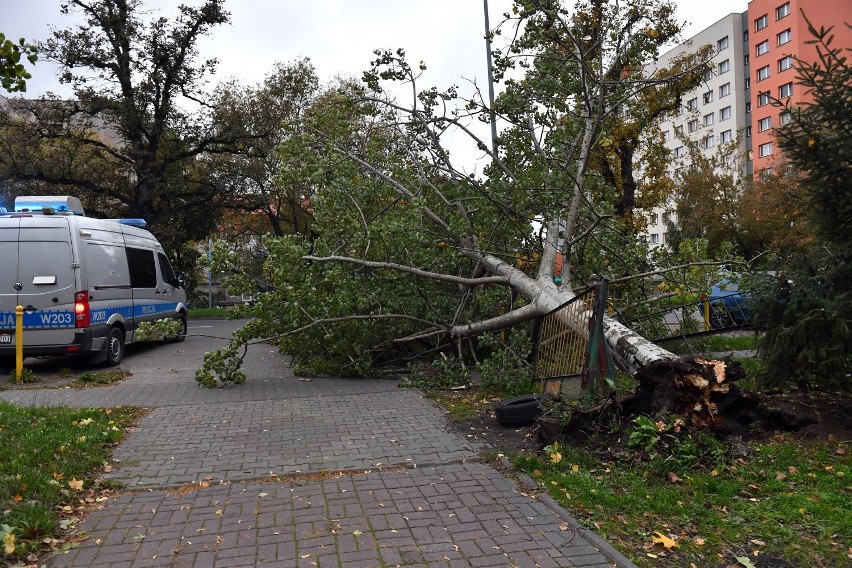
[{"x": 286, "y": 472}]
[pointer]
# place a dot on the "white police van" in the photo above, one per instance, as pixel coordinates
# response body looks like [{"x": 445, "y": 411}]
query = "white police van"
[{"x": 85, "y": 284}]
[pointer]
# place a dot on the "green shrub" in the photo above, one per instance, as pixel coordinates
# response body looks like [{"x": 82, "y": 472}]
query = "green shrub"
[
  {"x": 443, "y": 372},
  {"x": 507, "y": 371}
]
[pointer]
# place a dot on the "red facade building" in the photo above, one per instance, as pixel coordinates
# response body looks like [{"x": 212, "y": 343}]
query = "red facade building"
[{"x": 777, "y": 36}]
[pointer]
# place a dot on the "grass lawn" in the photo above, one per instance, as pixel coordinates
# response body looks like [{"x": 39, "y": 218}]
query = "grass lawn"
[
  {"x": 783, "y": 498},
  {"x": 51, "y": 458}
]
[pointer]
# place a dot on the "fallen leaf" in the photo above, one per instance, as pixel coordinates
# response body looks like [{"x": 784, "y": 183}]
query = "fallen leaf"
[
  {"x": 664, "y": 540},
  {"x": 840, "y": 451},
  {"x": 357, "y": 533},
  {"x": 744, "y": 560},
  {"x": 575, "y": 468},
  {"x": 698, "y": 541},
  {"x": 204, "y": 484},
  {"x": 75, "y": 484},
  {"x": 780, "y": 476},
  {"x": 673, "y": 477},
  {"x": 219, "y": 512},
  {"x": 9, "y": 543},
  {"x": 757, "y": 542}
]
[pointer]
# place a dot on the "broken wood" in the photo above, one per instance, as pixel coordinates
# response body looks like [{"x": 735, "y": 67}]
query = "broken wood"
[{"x": 702, "y": 392}]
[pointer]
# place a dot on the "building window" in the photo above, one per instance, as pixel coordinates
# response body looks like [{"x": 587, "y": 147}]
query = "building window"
[
  {"x": 708, "y": 75},
  {"x": 785, "y": 90},
  {"x": 725, "y": 90},
  {"x": 745, "y": 36},
  {"x": 763, "y": 73},
  {"x": 680, "y": 152},
  {"x": 692, "y": 125},
  {"x": 666, "y": 135},
  {"x": 729, "y": 160},
  {"x": 785, "y": 63},
  {"x": 679, "y": 129},
  {"x": 708, "y": 119},
  {"x": 667, "y": 217},
  {"x": 748, "y": 82},
  {"x": 692, "y": 104},
  {"x": 782, "y": 11},
  {"x": 748, "y": 131},
  {"x": 655, "y": 219},
  {"x": 746, "y": 59},
  {"x": 763, "y": 99},
  {"x": 709, "y": 142},
  {"x": 762, "y": 48},
  {"x": 764, "y": 150},
  {"x": 785, "y": 36},
  {"x": 748, "y": 107},
  {"x": 725, "y": 66},
  {"x": 725, "y": 113},
  {"x": 786, "y": 117},
  {"x": 707, "y": 97},
  {"x": 761, "y": 23},
  {"x": 722, "y": 44},
  {"x": 655, "y": 239},
  {"x": 764, "y": 124},
  {"x": 726, "y": 137}
]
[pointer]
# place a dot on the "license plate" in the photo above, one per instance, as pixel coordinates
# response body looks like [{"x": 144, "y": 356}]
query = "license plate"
[{"x": 5, "y": 338}]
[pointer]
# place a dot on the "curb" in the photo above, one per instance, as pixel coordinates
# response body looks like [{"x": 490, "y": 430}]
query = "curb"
[{"x": 606, "y": 548}]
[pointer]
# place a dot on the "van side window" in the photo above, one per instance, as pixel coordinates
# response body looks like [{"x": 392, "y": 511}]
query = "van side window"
[
  {"x": 143, "y": 272},
  {"x": 106, "y": 265},
  {"x": 166, "y": 270}
]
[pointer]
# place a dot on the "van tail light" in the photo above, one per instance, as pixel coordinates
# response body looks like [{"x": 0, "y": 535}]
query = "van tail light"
[{"x": 81, "y": 309}]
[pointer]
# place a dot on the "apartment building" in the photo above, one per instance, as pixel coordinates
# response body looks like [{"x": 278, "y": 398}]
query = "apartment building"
[
  {"x": 713, "y": 115},
  {"x": 777, "y": 35}
]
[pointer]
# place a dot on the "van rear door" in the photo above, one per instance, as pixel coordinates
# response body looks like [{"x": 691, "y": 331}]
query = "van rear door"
[
  {"x": 46, "y": 281},
  {"x": 8, "y": 278}
]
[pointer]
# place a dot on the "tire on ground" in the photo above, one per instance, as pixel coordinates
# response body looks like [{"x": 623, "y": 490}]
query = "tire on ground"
[{"x": 519, "y": 410}]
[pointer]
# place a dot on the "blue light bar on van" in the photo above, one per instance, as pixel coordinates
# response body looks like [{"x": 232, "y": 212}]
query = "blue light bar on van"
[
  {"x": 49, "y": 204},
  {"x": 139, "y": 223},
  {"x": 3, "y": 211}
]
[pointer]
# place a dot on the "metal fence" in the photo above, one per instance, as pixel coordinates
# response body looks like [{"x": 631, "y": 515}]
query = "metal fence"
[{"x": 571, "y": 355}]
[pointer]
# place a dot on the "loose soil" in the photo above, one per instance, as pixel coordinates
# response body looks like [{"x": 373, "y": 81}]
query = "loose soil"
[{"x": 831, "y": 414}]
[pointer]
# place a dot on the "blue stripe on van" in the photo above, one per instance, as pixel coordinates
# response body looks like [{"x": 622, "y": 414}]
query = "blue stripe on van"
[
  {"x": 64, "y": 319},
  {"x": 147, "y": 310},
  {"x": 56, "y": 319}
]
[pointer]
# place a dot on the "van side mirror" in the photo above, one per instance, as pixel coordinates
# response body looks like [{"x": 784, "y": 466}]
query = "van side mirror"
[{"x": 181, "y": 280}]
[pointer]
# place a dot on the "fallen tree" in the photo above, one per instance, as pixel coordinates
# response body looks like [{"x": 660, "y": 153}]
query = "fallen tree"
[{"x": 413, "y": 254}]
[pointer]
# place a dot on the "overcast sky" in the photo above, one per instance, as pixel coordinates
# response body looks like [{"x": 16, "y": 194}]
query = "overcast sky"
[{"x": 338, "y": 35}]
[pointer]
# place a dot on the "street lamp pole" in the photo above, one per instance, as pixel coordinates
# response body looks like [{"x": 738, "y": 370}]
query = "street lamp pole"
[{"x": 490, "y": 81}]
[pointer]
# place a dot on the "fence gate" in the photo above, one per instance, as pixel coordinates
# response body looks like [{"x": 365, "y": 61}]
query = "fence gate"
[{"x": 571, "y": 356}]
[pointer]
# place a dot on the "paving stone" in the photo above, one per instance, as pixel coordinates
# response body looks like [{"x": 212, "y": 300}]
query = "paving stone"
[{"x": 369, "y": 476}]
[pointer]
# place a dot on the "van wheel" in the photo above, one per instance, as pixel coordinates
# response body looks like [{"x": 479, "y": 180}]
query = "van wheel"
[
  {"x": 114, "y": 347},
  {"x": 182, "y": 335}
]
